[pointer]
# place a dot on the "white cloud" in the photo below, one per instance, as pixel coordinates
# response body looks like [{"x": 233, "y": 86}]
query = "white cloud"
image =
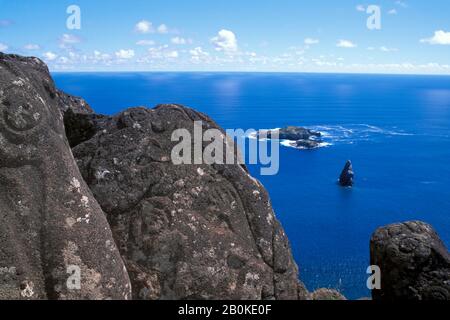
[
  {"x": 144, "y": 26},
  {"x": 99, "y": 56},
  {"x": 345, "y": 44},
  {"x": 198, "y": 55},
  {"x": 172, "y": 54},
  {"x": 178, "y": 40},
  {"x": 386, "y": 49},
  {"x": 392, "y": 11},
  {"x": 225, "y": 41},
  {"x": 3, "y": 47},
  {"x": 402, "y": 4},
  {"x": 32, "y": 46},
  {"x": 145, "y": 43},
  {"x": 198, "y": 51},
  {"x": 125, "y": 54},
  {"x": 163, "y": 29},
  {"x": 162, "y": 52},
  {"x": 440, "y": 37},
  {"x": 383, "y": 49},
  {"x": 360, "y": 8},
  {"x": 64, "y": 60},
  {"x": 50, "y": 56},
  {"x": 310, "y": 41},
  {"x": 69, "y": 39}
]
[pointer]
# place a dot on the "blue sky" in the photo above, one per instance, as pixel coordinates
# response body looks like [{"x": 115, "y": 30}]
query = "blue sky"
[{"x": 200, "y": 35}]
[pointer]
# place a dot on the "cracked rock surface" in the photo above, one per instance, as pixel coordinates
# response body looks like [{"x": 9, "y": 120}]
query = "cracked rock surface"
[
  {"x": 49, "y": 219},
  {"x": 414, "y": 262},
  {"x": 185, "y": 231}
]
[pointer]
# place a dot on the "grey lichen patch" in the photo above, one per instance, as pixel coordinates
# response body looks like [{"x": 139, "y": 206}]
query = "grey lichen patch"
[
  {"x": 75, "y": 185},
  {"x": 27, "y": 289},
  {"x": 102, "y": 173},
  {"x": 70, "y": 222},
  {"x": 85, "y": 201},
  {"x": 19, "y": 82}
]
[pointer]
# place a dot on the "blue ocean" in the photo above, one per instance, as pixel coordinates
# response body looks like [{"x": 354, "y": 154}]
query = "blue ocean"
[{"x": 395, "y": 129}]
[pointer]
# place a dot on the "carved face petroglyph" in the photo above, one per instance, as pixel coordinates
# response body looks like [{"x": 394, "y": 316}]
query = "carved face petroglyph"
[
  {"x": 24, "y": 118},
  {"x": 20, "y": 113}
]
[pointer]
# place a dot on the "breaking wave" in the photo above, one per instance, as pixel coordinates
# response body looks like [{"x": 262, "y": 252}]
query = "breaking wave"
[{"x": 348, "y": 134}]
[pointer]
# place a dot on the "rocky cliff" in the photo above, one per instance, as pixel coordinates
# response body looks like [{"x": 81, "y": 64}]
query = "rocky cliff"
[{"x": 183, "y": 232}]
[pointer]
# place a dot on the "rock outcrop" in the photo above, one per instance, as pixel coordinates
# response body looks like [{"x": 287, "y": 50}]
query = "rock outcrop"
[
  {"x": 51, "y": 227},
  {"x": 294, "y": 133},
  {"x": 184, "y": 231},
  {"x": 414, "y": 263},
  {"x": 327, "y": 294},
  {"x": 299, "y": 137},
  {"x": 307, "y": 144},
  {"x": 347, "y": 175}
]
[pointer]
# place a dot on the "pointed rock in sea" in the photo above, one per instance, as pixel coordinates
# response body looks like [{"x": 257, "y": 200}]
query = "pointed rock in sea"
[{"x": 347, "y": 175}]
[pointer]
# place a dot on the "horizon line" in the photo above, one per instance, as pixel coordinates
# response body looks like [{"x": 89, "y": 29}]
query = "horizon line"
[{"x": 249, "y": 72}]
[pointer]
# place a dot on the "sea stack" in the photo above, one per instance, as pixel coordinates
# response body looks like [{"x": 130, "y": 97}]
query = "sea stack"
[{"x": 346, "y": 178}]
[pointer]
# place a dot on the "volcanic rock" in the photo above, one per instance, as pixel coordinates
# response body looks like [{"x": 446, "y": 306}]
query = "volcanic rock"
[
  {"x": 185, "y": 231},
  {"x": 414, "y": 263},
  {"x": 327, "y": 294},
  {"x": 51, "y": 227},
  {"x": 307, "y": 144},
  {"x": 293, "y": 133},
  {"x": 346, "y": 178}
]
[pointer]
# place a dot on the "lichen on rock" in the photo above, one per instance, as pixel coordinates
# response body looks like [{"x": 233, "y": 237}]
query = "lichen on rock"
[
  {"x": 43, "y": 194},
  {"x": 185, "y": 231}
]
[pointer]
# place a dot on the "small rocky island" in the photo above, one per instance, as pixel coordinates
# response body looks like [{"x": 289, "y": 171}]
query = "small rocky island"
[
  {"x": 347, "y": 175},
  {"x": 100, "y": 193},
  {"x": 298, "y": 137}
]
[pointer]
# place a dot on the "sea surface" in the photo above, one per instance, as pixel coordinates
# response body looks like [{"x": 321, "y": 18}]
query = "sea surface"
[{"x": 395, "y": 129}]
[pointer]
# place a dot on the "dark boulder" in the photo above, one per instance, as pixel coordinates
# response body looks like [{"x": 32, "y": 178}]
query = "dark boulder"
[
  {"x": 185, "y": 231},
  {"x": 414, "y": 263},
  {"x": 347, "y": 175},
  {"x": 50, "y": 223}
]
